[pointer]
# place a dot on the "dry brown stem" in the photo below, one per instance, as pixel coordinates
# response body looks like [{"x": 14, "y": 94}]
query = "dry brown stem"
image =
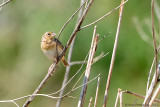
[
  {"x": 113, "y": 57},
  {"x": 88, "y": 68}
]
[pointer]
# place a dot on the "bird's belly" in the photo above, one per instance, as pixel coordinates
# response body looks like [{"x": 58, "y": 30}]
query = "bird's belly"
[{"x": 51, "y": 54}]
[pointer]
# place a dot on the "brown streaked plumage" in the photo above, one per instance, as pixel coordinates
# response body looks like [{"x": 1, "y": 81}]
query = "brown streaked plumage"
[{"x": 48, "y": 46}]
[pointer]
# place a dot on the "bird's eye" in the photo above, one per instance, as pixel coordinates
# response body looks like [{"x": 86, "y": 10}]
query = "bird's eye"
[{"x": 49, "y": 33}]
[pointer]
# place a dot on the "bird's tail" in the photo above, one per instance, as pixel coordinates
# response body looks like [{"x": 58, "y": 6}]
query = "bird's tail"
[{"x": 65, "y": 63}]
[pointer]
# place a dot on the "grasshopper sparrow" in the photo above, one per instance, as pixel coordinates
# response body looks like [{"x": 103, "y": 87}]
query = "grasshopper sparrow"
[{"x": 48, "y": 46}]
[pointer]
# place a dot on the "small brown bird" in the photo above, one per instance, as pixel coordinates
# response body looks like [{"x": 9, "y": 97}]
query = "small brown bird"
[{"x": 48, "y": 46}]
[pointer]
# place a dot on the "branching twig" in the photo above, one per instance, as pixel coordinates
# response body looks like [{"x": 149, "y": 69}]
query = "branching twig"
[
  {"x": 70, "y": 51},
  {"x": 104, "y": 15},
  {"x": 79, "y": 9},
  {"x": 113, "y": 57},
  {"x": 49, "y": 95},
  {"x": 62, "y": 54},
  {"x": 149, "y": 76},
  {"x": 151, "y": 88},
  {"x": 88, "y": 68}
]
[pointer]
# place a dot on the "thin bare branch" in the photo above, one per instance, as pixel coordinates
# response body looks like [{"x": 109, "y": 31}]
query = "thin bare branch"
[
  {"x": 113, "y": 57},
  {"x": 94, "y": 60},
  {"x": 48, "y": 95},
  {"x": 76, "y": 29},
  {"x": 51, "y": 69},
  {"x": 154, "y": 96},
  {"x": 104, "y": 16},
  {"x": 79, "y": 9},
  {"x": 96, "y": 97},
  {"x": 139, "y": 96},
  {"x": 5, "y": 3},
  {"x": 88, "y": 68},
  {"x": 104, "y": 37},
  {"x": 70, "y": 50}
]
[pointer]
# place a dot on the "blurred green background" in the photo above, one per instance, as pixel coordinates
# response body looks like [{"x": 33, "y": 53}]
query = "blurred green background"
[{"x": 23, "y": 65}]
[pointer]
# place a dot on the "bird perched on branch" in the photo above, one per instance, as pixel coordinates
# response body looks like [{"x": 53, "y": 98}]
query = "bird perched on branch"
[{"x": 48, "y": 46}]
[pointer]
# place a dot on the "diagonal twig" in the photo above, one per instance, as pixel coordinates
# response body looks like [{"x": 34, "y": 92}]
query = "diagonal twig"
[
  {"x": 139, "y": 96},
  {"x": 104, "y": 16},
  {"x": 5, "y": 3},
  {"x": 70, "y": 51},
  {"x": 53, "y": 67}
]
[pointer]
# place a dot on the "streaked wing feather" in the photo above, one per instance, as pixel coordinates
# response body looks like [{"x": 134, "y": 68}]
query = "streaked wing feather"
[{"x": 59, "y": 43}]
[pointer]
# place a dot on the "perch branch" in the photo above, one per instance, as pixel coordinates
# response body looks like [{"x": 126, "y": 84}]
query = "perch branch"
[
  {"x": 70, "y": 51},
  {"x": 62, "y": 54},
  {"x": 113, "y": 56}
]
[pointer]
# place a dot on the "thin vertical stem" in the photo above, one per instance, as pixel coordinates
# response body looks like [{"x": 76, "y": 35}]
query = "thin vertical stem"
[
  {"x": 113, "y": 57},
  {"x": 69, "y": 57},
  {"x": 153, "y": 34},
  {"x": 88, "y": 68},
  {"x": 96, "y": 97},
  {"x": 121, "y": 99}
]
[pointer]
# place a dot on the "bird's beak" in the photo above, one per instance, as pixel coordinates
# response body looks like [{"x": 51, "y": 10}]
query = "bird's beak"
[{"x": 53, "y": 34}]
